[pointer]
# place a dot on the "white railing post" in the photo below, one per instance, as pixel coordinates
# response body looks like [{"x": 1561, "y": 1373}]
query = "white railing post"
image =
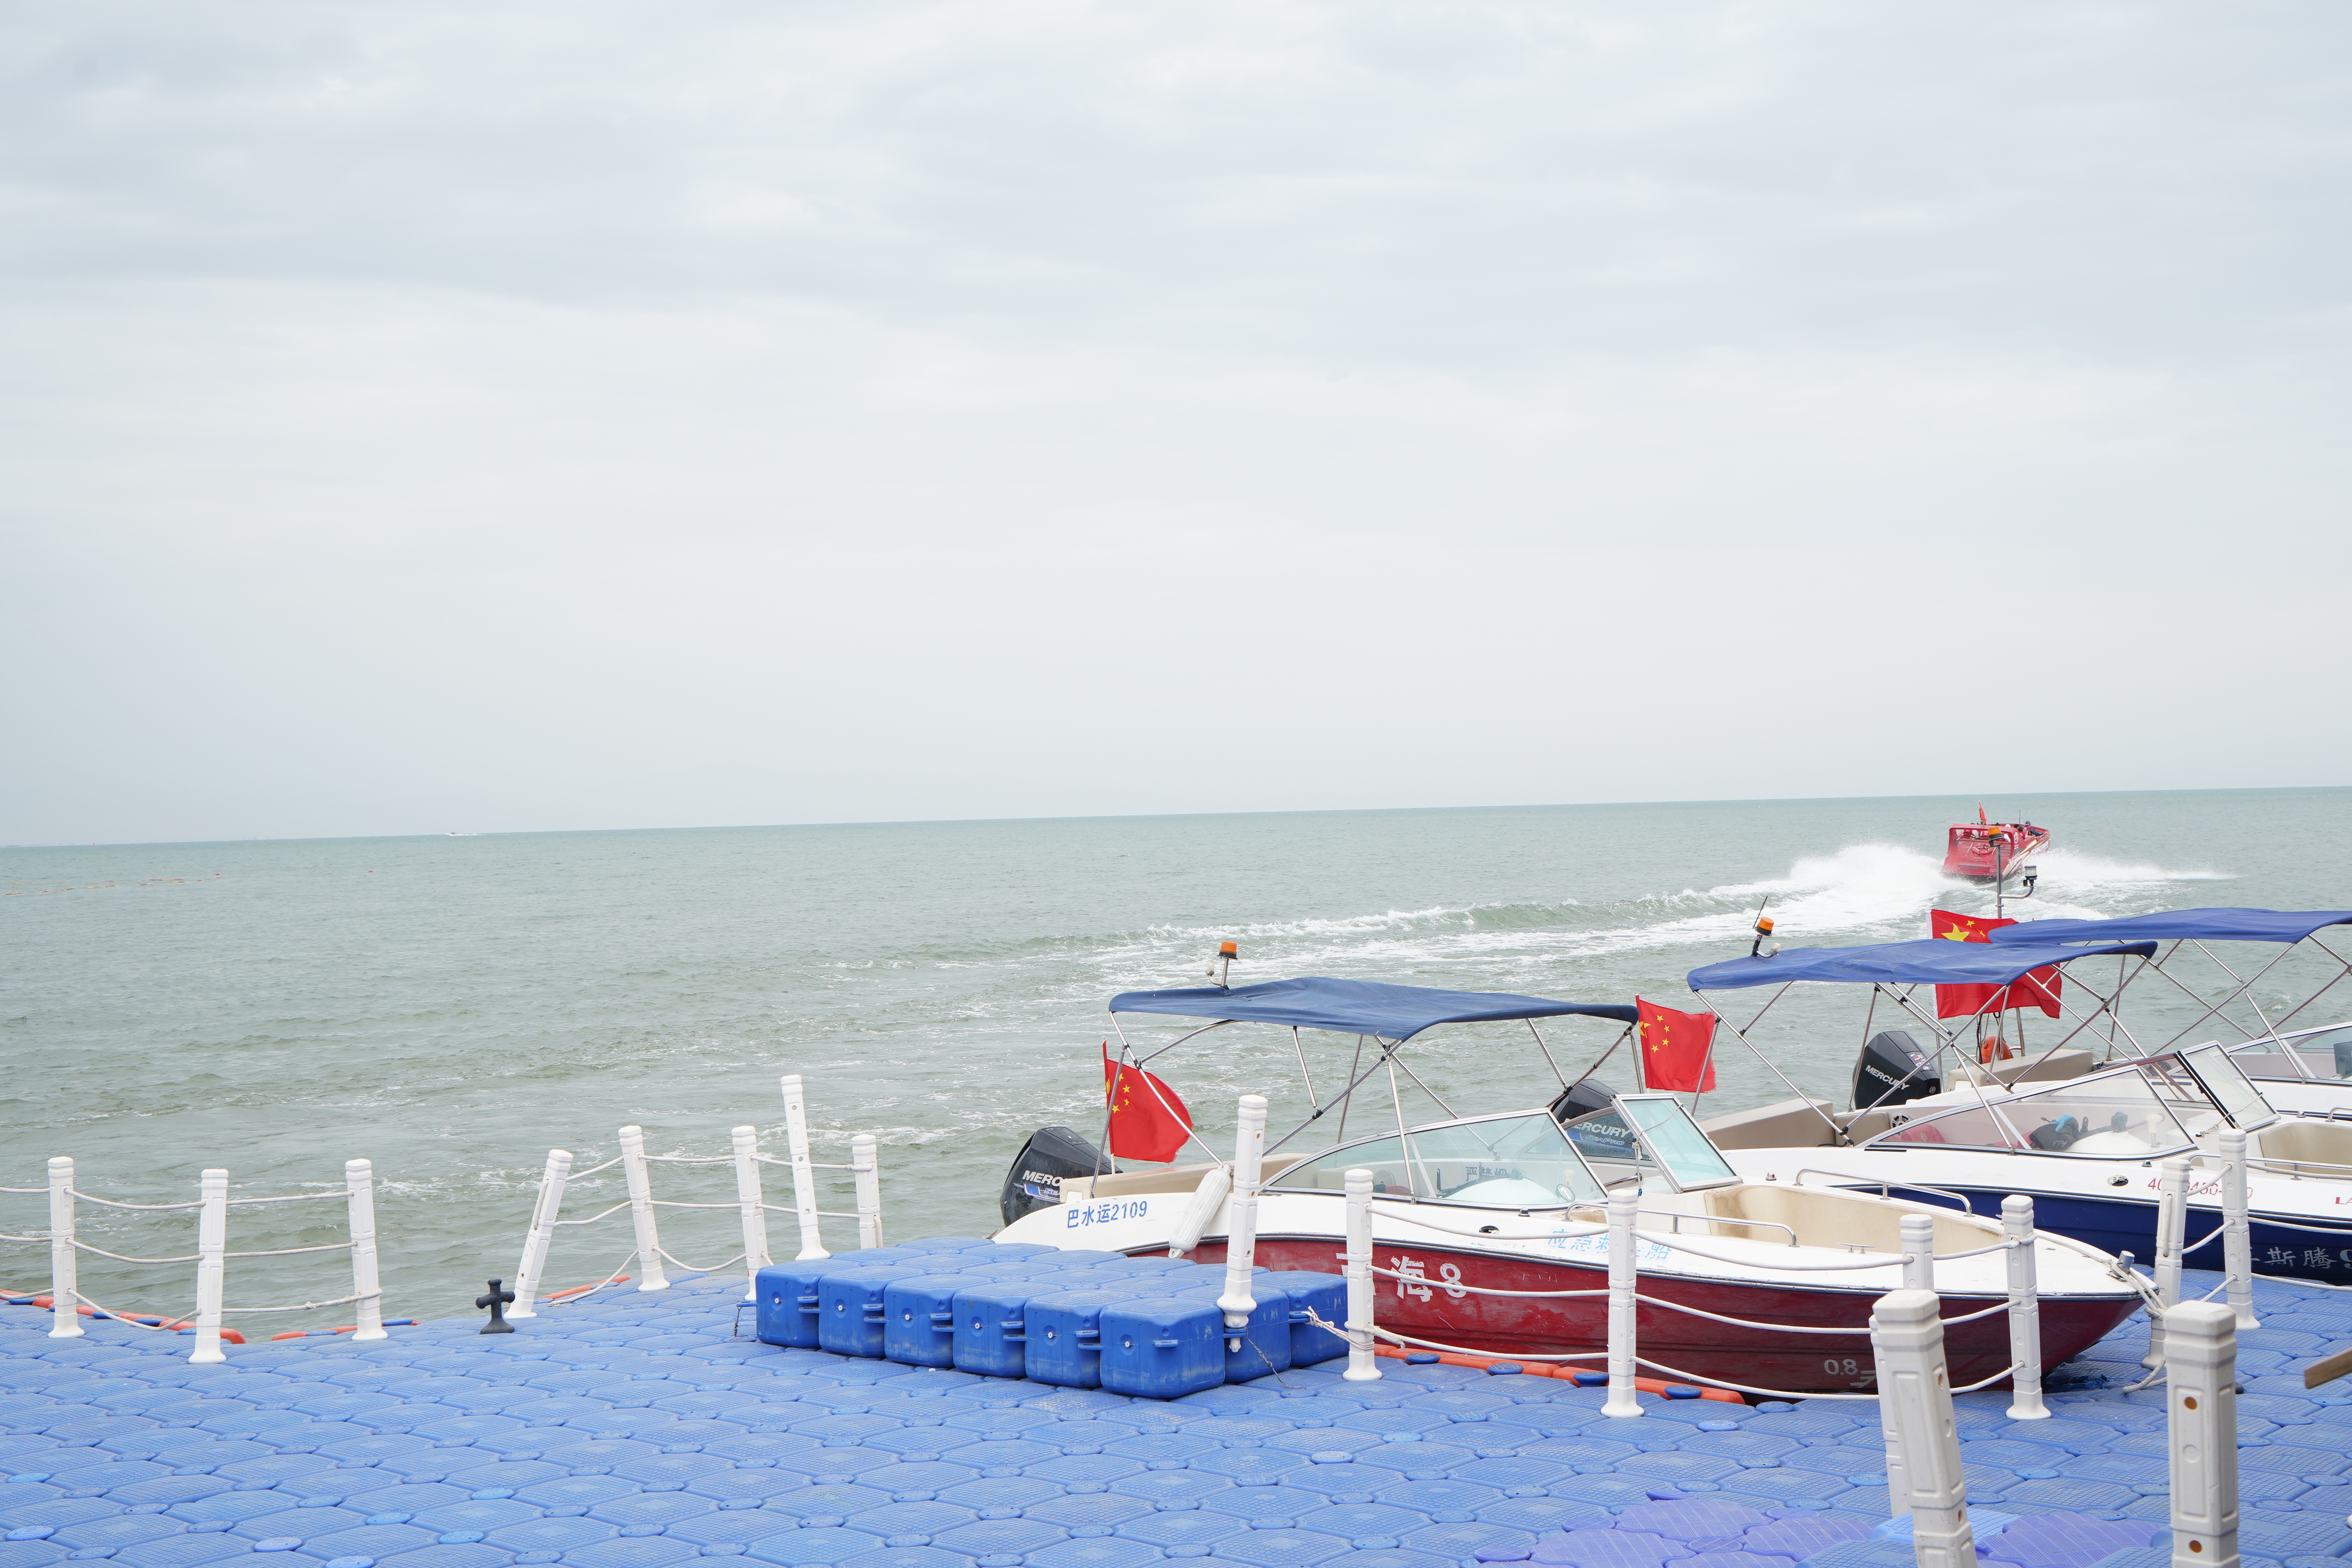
[
  {"x": 1907, "y": 1328},
  {"x": 1890, "y": 1429},
  {"x": 65, "y": 1323},
  {"x": 1919, "y": 1233},
  {"x": 1363, "y": 1365},
  {"x": 2201, "y": 1340},
  {"x": 2024, "y": 1311},
  {"x": 533, "y": 1267},
  {"x": 2171, "y": 1231},
  {"x": 641, "y": 1210},
  {"x": 2237, "y": 1232},
  {"x": 755, "y": 1213},
  {"x": 796, "y": 1145},
  {"x": 1240, "y": 1233},
  {"x": 866, "y": 1166},
  {"x": 1624, "y": 1280},
  {"x": 1917, "y": 1238},
  {"x": 212, "y": 1243},
  {"x": 359, "y": 1181}
]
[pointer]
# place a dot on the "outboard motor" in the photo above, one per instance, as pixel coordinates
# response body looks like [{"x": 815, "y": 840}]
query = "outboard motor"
[
  {"x": 1893, "y": 1070},
  {"x": 1599, "y": 1137},
  {"x": 1051, "y": 1153}
]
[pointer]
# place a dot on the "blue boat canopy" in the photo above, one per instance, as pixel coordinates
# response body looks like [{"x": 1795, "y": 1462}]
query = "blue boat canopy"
[
  {"x": 1935, "y": 960},
  {"x": 1357, "y": 1006},
  {"x": 2207, "y": 925}
]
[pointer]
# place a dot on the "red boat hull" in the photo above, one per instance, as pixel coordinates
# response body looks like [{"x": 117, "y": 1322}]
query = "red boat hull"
[
  {"x": 1677, "y": 1344},
  {"x": 1972, "y": 851}
]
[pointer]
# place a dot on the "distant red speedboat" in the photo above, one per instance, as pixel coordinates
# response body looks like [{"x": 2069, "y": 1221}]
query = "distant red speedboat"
[{"x": 1986, "y": 851}]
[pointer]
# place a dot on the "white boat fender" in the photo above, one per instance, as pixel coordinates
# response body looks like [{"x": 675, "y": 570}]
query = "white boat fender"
[{"x": 1207, "y": 1199}]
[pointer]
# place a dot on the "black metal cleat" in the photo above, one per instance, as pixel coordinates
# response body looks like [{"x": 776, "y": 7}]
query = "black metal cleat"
[{"x": 496, "y": 1302}]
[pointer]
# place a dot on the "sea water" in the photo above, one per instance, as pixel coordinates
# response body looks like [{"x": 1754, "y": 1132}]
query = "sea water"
[{"x": 452, "y": 1007}]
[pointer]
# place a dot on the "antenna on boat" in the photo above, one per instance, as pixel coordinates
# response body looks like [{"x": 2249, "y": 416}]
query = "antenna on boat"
[
  {"x": 1226, "y": 953},
  {"x": 1763, "y": 930},
  {"x": 2000, "y": 837}
]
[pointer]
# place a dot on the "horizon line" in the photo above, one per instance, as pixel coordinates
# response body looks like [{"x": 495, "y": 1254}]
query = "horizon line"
[{"x": 1115, "y": 816}]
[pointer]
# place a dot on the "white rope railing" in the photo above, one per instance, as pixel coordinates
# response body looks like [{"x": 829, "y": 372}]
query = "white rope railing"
[
  {"x": 119, "y": 1258},
  {"x": 110, "y": 1202},
  {"x": 582, "y": 1292},
  {"x": 749, "y": 1203},
  {"x": 304, "y": 1307},
  {"x": 162, "y": 1325},
  {"x": 696, "y": 1268},
  {"x": 290, "y": 1199},
  {"x": 211, "y": 1257},
  {"x": 1318, "y": 1320},
  {"x": 1417, "y": 1279}
]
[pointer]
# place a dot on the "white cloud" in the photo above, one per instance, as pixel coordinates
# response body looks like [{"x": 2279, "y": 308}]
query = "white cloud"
[{"x": 536, "y": 416}]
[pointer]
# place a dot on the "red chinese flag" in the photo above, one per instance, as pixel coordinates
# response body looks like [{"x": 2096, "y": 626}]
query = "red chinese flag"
[
  {"x": 1147, "y": 1121},
  {"x": 1678, "y": 1048},
  {"x": 2035, "y": 988}
]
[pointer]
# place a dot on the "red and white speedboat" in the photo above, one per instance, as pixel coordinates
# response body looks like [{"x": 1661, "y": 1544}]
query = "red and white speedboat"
[
  {"x": 1512, "y": 1202},
  {"x": 1987, "y": 851}
]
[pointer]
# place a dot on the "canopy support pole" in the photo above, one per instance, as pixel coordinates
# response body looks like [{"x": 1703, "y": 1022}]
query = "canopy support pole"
[
  {"x": 1348, "y": 1098},
  {"x": 1540, "y": 1046},
  {"x": 1831, "y": 1122},
  {"x": 1602, "y": 1060},
  {"x": 2345, "y": 970},
  {"x": 1413, "y": 1174},
  {"x": 1418, "y": 1084},
  {"x": 1342, "y": 1099}
]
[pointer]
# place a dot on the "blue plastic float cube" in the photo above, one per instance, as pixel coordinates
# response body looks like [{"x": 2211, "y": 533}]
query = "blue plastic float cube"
[
  {"x": 1018, "y": 1268},
  {"x": 919, "y": 1319},
  {"x": 1262, "y": 1346},
  {"x": 1148, "y": 1265},
  {"x": 989, "y": 1327},
  {"x": 1162, "y": 1348},
  {"x": 787, "y": 1300},
  {"x": 1062, "y": 1343},
  {"x": 1326, "y": 1296},
  {"x": 849, "y": 1306}
]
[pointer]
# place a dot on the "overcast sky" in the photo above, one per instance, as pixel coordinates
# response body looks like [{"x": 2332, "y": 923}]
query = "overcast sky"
[{"x": 502, "y": 415}]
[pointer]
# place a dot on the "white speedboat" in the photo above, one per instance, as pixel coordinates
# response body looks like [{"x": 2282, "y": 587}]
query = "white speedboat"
[
  {"x": 2085, "y": 1145},
  {"x": 1513, "y": 1201}
]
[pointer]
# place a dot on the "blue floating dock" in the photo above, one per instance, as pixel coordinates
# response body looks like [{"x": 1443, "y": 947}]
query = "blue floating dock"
[{"x": 634, "y": 1429}]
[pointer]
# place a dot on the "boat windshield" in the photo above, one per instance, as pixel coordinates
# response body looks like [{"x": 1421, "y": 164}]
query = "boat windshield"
[
  {"x": 2115, "y": 1115},
  {"x": 2184, "y": 1095},
  {"x": 2232, "y": 1090},
  {"x": 1520, "y": 1162},
  {"x": 1688, "y": 1154},
  {"x": 2316, "y": 1056}
]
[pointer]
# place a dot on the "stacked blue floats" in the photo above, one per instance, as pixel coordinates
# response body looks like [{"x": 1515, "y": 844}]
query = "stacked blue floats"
[{"x": 1144, "y": 1326}]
